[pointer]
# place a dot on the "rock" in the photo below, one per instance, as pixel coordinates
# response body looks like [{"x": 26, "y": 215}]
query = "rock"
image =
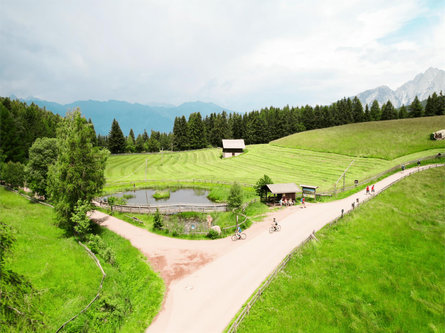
[{"x": 217, "y": 229}]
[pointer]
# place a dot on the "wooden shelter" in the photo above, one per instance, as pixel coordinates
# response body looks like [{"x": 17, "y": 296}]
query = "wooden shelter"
[
  {"x": 233, "y": 147},
  {"x": 279, "y": 191}
]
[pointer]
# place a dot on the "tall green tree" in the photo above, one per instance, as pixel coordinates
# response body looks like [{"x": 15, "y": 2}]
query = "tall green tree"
[
  {"x": 388, "y": 111},
  {"x": 196, "y": 132},
  {"x": 42, "y": 154},
  {"x": 116, "y": 139},
  {"x": 78, "y": 174},
  {"x": 416, "y": 109},
  {"x": 403, "y": 113},
  {"x": 357, "y": 110},
  {"x": 180, "y": 137},
  {"x": 13, "y": 173},
  {"x": 375, "y": 112}
]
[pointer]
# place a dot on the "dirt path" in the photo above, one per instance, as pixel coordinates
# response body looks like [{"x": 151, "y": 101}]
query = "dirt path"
[{"x": 209, "y": 281}]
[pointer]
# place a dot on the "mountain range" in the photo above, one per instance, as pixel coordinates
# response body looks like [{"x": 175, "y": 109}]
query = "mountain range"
[
  {"x": 422, "y": 86},
  {"x": 160, "y": 117},
  {"x": 129, "y": 115}
]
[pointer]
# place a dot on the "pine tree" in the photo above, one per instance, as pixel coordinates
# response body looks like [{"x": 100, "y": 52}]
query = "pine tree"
[
  {"x": 367, "y": 116},
  {"x": 180, "y": 137},
  {"x": 403, "y": 113},
  {"x": 131, "y": 134},
  {"x": 116, "y": 139},
  {"x": 388, "y": 111},
  {"x": 357, "y": 110},
  {"x": 416, "y": 109},
  {"x": 375, "y": 112},
  {"x": 196, "y": 132}
]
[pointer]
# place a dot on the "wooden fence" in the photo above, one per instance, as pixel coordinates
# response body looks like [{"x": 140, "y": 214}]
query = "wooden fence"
[{"x": 166, "y": 209}]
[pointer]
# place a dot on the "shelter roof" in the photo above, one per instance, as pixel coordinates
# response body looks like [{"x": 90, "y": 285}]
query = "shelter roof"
[
  {"x": 283, "y": 188},
  {"x": 233, "y": 144}
]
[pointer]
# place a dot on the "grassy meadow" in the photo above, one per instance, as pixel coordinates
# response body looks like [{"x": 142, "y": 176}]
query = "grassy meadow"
[
  {"x": 315, "y": 157},
  {"x": 378, "y": 139},
  {"x": 67, "y": 279},
  {"x": 379, "y": 269}
]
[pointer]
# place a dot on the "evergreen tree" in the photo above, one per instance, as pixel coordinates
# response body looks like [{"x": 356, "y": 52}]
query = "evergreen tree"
[
  {"x": 416, "y": 109},
  {"x": 260, "y": 187},
  {"x": 367, "y": 115},
  {"x": 130, "y": 145},
  {"x": 196, "y": 132},
  {"x": 139, "y": 147},
  {"x": 375, "y": 113},
  {"x": 403, "y": 113},
  {"x": 153, "y": 145},
  {"x": 388, "y": 111},
  {"x": 357, "y": 110},
  {"x": 116, "y": 139},
  {"x": 180, "y": 138},
  {"x": 131, "y": 134},
  {"x": 440, "y": 110},
  {"x": 78, "y": 173}
]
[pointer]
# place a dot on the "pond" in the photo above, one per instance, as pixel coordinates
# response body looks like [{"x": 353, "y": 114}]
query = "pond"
[{"x": 183, "y": 195}]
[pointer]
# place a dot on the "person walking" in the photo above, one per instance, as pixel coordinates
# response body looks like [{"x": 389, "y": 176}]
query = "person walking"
[
  {"x": 367, "y": 189},
  {"x": 372, "y": 189},
  {"x": 303, "y": 202}
]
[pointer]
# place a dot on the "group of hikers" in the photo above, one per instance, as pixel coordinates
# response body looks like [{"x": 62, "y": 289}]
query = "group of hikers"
[
  {"x": 288, "y": 202},
  {"x": 372, "y": 189}
]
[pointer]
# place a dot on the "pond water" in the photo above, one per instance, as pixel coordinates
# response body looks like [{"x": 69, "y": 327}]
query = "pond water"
[{"x": 184, "y": 195}]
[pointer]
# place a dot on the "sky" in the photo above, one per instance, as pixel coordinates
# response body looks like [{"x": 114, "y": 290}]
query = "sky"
[{"x": 241, "y": 55}]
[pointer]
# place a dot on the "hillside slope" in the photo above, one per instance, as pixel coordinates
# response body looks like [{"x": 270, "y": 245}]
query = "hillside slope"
[{"x": 379, "y": 139}]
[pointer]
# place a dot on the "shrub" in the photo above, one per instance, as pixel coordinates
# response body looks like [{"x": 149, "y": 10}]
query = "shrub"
[
  {"x": 13, "y": 174},
  {"x": 235, "y": 198},
  {"x": 157, "y": 223},
  {"x": 212, "y": 234},
  {"x": 97, "y": 246}
]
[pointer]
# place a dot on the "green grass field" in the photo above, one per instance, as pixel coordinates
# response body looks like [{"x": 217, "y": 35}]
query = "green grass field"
[
  {"x": 380, "y": 269},
  {"x": 283, "y": 165},
  {"x": 380, "y": 139},
  {"x": 67, "y": 279},
  {"x": 315, "y": 157}
]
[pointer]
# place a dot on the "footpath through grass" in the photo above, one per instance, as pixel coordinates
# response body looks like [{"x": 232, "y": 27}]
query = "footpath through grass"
[
  {"x": 380, "y": 269},
  {"x": 377, "y": 139},
  {"x": 67, "y": 279}
]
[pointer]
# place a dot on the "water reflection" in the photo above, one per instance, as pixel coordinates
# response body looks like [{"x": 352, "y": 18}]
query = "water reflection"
[{"x": 184, "y": 195}]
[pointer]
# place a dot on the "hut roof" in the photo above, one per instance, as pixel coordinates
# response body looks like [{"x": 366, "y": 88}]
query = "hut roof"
[
  {"x": 234, "y": 144},
  {"x": 283, "y": 188}
]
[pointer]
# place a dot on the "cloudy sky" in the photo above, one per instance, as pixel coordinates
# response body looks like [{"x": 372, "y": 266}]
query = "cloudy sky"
[{"x": 242, "y": 55}]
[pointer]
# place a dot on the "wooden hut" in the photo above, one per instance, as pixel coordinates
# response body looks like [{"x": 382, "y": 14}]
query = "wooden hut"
[
  {"x": 279, "y": 191},
  {"x": 233, "y": 147}
]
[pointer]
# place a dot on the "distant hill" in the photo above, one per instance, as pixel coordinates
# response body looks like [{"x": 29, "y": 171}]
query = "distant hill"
[
  {"x": 422, "y": 86},
  {"x": 129, "y": 115}
]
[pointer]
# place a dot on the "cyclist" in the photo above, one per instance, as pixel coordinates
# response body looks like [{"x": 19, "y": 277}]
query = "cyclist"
[
  {"x": 275, "y": 223},
  {"x": 238, "y": 232}
]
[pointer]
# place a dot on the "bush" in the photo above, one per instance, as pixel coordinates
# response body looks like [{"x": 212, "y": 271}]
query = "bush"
[
  {"x": 13, "y": 174},
  {"x": 97, "y": 246},
  {"x": 212, "y": 234},
  {"x": 235, "y": 198},
  {"x": 157, "y": 223}
]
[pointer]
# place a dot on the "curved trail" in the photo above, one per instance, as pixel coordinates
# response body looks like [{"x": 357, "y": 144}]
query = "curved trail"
[{"x": 209, "y": 281}]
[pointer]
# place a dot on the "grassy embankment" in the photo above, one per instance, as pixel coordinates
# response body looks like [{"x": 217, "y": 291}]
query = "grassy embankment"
[
  {"x": 316, "y": 157},
  {"x": 380, "y": 269},
  {"x": 387, "y": 140},
  {"x": 67, "y": 279}
]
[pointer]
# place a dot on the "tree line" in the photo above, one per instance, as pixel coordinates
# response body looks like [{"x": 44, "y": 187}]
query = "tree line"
[{"x": 273, "y": 123}]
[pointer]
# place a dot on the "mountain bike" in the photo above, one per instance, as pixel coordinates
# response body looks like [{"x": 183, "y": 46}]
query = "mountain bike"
[
  {"x": 238, "y": 236},
  {"x": 274, "y": 227}
]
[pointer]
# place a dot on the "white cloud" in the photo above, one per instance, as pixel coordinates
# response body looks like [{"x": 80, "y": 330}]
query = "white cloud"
[{"x": 241, "y": 54}]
